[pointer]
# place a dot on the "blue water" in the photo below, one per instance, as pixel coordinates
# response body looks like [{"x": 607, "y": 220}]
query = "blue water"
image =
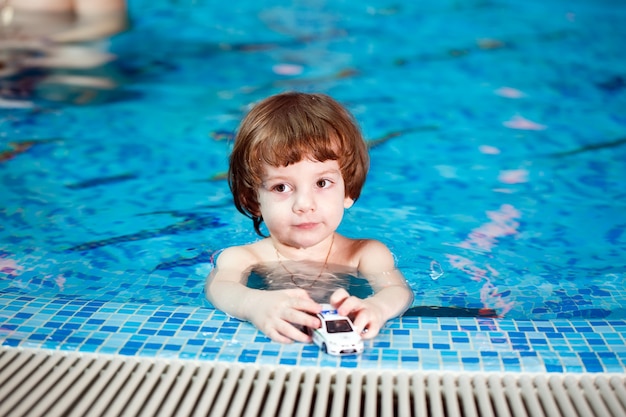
[{"x": 498, "y": 135}]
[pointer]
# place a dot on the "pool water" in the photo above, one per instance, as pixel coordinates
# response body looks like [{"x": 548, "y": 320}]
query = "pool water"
[{"x": 497, "y": 135}]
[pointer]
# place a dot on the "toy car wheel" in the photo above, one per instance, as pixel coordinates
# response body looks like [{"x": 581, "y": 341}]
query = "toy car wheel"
[{"x": 324, "y": 348}]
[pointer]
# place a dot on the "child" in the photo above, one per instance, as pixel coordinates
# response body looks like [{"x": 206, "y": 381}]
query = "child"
[{"x": 298, "y": 162}]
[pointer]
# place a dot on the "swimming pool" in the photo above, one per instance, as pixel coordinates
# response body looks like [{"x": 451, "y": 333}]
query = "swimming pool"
[{"x": 497, "y": 136}]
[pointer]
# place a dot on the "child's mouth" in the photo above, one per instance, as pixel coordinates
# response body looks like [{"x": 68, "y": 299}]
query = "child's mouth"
[{"x": 306, "y": 226}]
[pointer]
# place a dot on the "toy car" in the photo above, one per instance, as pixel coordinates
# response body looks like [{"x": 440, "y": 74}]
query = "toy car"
[{"x": 337, "y": 335}]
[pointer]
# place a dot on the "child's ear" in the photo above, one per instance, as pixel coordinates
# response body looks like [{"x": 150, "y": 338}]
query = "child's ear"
[{"x": 348, "y": 202}]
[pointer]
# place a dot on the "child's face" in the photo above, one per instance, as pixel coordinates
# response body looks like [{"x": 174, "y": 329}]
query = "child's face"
[{"x": 303, "y": 203}]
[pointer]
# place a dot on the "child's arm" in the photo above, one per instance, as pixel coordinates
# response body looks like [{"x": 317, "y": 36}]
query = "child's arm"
[
  {"x": 273, "y": 312},
  {"x": 392, "y": 295}
]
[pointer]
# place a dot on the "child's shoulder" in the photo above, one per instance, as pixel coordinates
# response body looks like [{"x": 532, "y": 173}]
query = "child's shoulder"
[
  {"x": 365, "y": 246},
  {"x": 366, "y": 252},
  {"x": 243, "y": 256}
]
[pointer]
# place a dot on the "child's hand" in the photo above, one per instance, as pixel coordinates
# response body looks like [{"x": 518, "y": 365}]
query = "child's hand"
[
  {"x": 277, "y": 313},
  {"x": 366, "y": 316}
]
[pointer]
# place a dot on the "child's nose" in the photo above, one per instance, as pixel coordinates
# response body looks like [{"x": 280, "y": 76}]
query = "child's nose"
[{"x": 304, "y": 202}]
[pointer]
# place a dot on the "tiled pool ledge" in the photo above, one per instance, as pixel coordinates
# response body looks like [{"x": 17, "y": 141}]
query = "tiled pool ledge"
[{"x": 409, "y": 343}]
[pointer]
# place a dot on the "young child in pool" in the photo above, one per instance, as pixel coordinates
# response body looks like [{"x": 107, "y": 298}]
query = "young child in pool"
[{"x": 298, "y": 162}]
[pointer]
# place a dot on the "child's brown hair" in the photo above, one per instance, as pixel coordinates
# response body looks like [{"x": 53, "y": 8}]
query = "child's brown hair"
[{"x": 286, "y": 128}]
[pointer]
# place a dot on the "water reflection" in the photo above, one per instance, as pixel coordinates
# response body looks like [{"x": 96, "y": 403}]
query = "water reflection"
[
  {"x": 306, "y": 275},
  {"x": 503, "y": 222},
  {"x": 57, "y": 50}
]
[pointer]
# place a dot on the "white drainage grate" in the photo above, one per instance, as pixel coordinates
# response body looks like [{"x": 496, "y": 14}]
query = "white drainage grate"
[{"x": 46, "y": 383}]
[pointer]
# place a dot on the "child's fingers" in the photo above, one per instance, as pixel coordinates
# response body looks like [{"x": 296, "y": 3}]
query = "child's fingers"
[
  {"x": 349, "y": 305},
  {"x": 298, "y": 293},
  {"x": 370, "y": 332},
  {"x": 300, "y": 300},
  {"x": 302, "y": 318},
  {"x": 286, "y": 333},
  {"x": 361, "y": 322},
  {"x": 277, "y": 337},
  {"x": 338, "y": 297},
  {"x": 366, "y": 325}
]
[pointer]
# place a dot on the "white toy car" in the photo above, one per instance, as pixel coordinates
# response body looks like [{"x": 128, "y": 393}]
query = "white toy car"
[{"x": 337, "y": 335}]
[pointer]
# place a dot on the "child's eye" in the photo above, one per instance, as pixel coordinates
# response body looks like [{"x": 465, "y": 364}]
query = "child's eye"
[
  {"x": 281, "y": 188},
  {"x": 324, "y": 183}
]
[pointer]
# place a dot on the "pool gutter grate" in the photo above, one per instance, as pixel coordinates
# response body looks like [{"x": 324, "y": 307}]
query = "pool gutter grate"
[{"x": 51, "y": 383}]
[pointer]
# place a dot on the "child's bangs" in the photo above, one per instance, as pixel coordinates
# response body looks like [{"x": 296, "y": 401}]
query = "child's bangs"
[{"x": 280, "y": 150}]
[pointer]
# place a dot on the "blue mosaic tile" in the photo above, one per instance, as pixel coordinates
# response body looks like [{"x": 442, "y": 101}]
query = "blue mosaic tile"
[{"x": 203, "y": 334}]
